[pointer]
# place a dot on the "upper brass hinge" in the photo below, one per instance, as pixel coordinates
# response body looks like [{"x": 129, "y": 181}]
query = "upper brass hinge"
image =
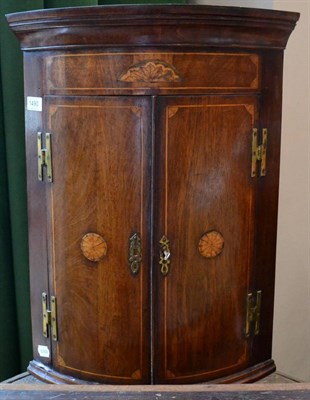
[
  {"x": 259, "y": 152},
  {"x": 44, "y": 156},
  {"x": 49, "y": 316},
  {"x": 254, "y": 301}
]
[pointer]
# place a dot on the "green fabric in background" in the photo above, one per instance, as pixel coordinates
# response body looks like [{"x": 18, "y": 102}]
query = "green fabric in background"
[
  {"x": 15, "y": 325},
  {"x": 68, "y": 3},
  {"x": 16, "y": 269},
  {"x": 106, "y": 2},
  {"x": 9, "y": 343}
]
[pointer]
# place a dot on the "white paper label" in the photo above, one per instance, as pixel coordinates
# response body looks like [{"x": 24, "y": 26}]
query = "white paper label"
[
  {"x": 34, "y": 103},
  {"x": 43, "y": 351}
]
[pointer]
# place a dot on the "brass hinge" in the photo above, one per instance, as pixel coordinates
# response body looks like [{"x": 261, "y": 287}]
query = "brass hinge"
[
  {"x": 49, "y": 316},
  {"x": 44, "y": 157},
  {"x": 259, "y": 152},
  {"x": 254, "y": 302}
]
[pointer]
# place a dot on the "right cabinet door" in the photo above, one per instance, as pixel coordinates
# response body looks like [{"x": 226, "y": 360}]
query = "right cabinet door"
[{"x": 205, "y": 206}]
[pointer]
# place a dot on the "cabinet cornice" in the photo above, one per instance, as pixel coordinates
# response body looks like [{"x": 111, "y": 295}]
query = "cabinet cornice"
[{"x": 189, "y": 26}]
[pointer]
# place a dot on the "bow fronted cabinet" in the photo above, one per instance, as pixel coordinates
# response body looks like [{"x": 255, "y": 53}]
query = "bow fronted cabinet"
[{"x": 153, "y": 143}]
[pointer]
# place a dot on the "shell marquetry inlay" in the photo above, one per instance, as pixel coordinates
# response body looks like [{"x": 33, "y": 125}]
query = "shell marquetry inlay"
[
  {"x": 151, "y": 71},
  {"x": 93, "y": 246}
]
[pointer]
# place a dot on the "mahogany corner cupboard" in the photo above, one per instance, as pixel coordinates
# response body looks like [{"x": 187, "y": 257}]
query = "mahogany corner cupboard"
[{"x": 153, "y": 142}]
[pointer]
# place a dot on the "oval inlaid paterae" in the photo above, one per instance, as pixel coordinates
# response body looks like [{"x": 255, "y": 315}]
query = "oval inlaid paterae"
[{"x": 211, "y": 244}]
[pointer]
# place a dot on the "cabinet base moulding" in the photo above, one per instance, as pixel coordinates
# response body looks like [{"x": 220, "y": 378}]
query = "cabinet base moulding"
[{"x": 249, "y": 375}]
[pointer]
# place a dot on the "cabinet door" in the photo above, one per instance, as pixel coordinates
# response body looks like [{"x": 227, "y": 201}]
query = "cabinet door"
[
  {"x": 97, "y": 202},
  {"x": 205, "y": 209}
]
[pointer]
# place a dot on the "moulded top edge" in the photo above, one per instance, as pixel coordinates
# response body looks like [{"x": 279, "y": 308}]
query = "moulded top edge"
[
  {"x": 152, "y": 25},
  {"x": 155, "y": 12}
]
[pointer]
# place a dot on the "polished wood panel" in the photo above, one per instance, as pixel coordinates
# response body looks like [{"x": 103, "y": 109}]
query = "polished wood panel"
[
  {"x": 267, "y": 201},
  {"x": 204, "y": 171},
  {"x": 37, "y": 222},
  {"x": 124, "y": 73},
  {"x": 101, "y": 184}
]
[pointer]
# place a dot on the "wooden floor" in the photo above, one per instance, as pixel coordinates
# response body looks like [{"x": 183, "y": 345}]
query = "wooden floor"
[
  {"x": 290, "y": 391},
  {"x": 274, "y": 387}
]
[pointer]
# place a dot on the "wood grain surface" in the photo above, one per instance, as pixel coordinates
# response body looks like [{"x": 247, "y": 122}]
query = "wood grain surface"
[
  {"x": 185, "y": 392},
  {"x": 203, "y": 170},
  {"x": 101, "y": 184},
  {"x": 124, "y": 73}
]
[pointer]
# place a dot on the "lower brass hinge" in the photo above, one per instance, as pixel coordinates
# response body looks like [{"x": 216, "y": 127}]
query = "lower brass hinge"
[
  {"x": 44, "y": 156},
  {"x": 49, "y": 316},
  {"x": 254, "y": 302},
  {"x": 259, "y": 152}
]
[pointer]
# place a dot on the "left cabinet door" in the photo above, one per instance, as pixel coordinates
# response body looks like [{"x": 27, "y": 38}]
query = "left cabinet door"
[{"x": 98, "y": 219}]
